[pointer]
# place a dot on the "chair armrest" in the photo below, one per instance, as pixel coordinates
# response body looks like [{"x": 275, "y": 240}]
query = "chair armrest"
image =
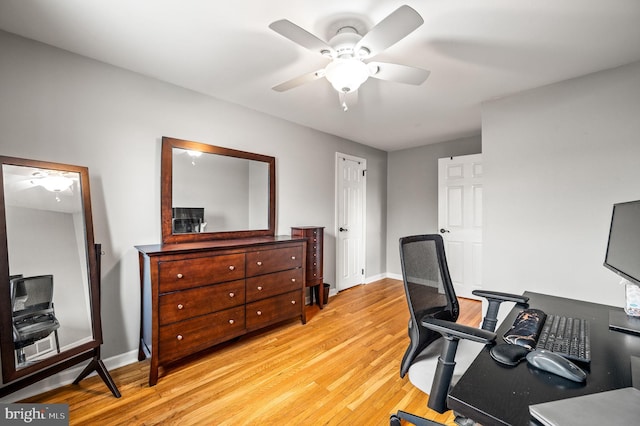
[
  {"x": 495, "y": 298},
  {"x": 459, "y": 331},
  {"x": 452, "y": 333},
  {"x": 503, "y": 297}
]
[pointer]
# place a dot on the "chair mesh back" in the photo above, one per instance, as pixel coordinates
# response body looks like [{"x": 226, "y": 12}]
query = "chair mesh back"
[
  {"x": 32, "y": 292},
  {"x": 426, "y": 276}
]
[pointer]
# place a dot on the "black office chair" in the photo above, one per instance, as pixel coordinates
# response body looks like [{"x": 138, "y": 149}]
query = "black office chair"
[
  {"x": 33, "y": 312},
  {"x": 434, "y": 309}
]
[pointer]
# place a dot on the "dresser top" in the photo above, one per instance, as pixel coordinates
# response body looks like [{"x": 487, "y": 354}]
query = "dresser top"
[
  {"x": 307, "y": 227},
  {"x": 159, "y": 249}
]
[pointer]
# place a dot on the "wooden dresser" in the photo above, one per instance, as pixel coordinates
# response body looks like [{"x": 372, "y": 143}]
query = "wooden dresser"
[
  {"x": 197, "y": 295},
  {"x": 314, "y": 272}
]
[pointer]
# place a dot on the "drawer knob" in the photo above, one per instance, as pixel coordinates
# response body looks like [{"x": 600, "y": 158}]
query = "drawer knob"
[
  {"x": 293, "y": 302},
  {"x": 231, "y": 321},
  {"x": 231, "y": 268},
  {"x": 259, "y": 312},
  {"x": 293, "y": 258},
  {"x": 259, "y": 263},
  {"x": 293, "y": 280},
  {"x": 180, "y": 306},
  {"x": 179, "y": 337},
  {"x": 232, "y": 294},
  {"x": 260, "y": 287},
  {"x": 179, "y": 276}
]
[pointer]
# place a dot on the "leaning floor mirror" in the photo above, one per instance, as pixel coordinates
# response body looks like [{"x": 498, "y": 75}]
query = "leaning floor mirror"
[{"x": 49, "y": 274}]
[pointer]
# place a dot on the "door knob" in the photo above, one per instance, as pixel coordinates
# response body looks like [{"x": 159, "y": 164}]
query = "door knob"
[
  {"x": 343, "y": 229},
  {"x": 442, "y": 230}
]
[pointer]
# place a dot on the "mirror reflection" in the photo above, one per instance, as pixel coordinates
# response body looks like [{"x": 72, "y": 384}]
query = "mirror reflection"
[
  {"x": 47, "y": 256},
  {"x": 218, "y": 193}
]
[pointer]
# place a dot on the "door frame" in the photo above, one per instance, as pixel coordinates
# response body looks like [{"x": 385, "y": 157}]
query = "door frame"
[{"x": 363, "y": 224}]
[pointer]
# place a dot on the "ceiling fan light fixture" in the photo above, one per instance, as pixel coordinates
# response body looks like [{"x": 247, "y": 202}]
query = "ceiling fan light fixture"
[{"x": 346, "y": 75}]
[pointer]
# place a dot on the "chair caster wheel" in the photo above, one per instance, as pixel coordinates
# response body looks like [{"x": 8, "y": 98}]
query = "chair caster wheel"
[{"x": 394, "y": 420}]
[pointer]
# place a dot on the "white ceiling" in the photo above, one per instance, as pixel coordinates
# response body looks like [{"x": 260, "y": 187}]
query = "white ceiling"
[{"x": 476, "y": 50}]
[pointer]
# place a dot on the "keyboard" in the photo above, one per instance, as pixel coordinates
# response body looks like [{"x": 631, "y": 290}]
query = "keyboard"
[{"x": 566, "y": 336}]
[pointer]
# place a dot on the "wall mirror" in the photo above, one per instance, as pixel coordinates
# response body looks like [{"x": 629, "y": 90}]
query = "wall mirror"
[
  {"x": 49, "y": 285},
  {"x": 209, "y": 192}
]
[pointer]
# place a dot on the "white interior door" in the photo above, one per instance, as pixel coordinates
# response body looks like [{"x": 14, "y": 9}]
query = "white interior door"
[
  {"x": 460, "y": 219},
  {"x": 350, "y": 214}
]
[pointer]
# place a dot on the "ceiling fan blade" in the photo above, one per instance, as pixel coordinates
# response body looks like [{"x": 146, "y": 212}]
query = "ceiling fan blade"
[
  {"x": 299, "y": 81},
  {"x": 390, "y": 30},
  {"x": 300, "y": 36},
  {"x": 399, "y": 73}
]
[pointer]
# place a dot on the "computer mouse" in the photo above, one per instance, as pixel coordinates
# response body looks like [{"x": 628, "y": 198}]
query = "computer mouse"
[{"x": 556, "y": 364}]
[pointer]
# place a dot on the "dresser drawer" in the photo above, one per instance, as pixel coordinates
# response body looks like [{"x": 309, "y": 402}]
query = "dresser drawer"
[
  {"x": 268, "y": 285},
  {"x": 314, "y": 280},
  {"x": 267, "y": 261},
  {"x": 314, "y": 260},
  {"x": 314, "y": 251},
  {"x": 186, "y": 337},
  {"x": 182, "y": 274},
  {"x": 181, "y": 305},
  {"x": 274, "y": 309}
]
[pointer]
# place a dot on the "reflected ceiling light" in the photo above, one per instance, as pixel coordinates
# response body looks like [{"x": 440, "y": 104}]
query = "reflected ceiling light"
[
  {"x": 55, "y": 183},
  {"x": 193, "y": 154},
  {"x": 52, "y": 181}
]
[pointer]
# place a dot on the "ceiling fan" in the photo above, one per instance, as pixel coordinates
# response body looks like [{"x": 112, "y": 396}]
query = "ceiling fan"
[{"x": 348, "y": 51}]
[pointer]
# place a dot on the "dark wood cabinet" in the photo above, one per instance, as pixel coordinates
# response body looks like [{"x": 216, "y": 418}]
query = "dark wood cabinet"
[
  {"x": 315, "y": 241},
  {"x": 197, "y": 295}
]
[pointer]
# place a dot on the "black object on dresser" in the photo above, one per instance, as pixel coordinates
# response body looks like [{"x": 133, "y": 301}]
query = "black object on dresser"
[{"x": 315, "y": 242}]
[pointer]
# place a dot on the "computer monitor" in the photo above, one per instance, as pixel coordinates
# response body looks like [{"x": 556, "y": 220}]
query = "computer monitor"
[
  {"x": 623, "y": 249},
  {"x": 623, "y": 258}
]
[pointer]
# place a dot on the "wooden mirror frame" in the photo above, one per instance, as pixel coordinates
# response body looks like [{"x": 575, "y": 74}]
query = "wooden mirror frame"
[
  {"x": 68, "y": 357},
  {"x": 166, "y": 196}
]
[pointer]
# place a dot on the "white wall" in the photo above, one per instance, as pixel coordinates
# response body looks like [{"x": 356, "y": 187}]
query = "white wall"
[
  {"x": 555, "y": 160},
  {"x": 413, "y": 191},
  {"x": 61, "y": 107}
]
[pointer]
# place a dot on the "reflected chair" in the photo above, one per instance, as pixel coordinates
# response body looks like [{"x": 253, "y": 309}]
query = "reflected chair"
[
  {"x": 33, "y": 312},
  {"x": 440, "y": 349}
]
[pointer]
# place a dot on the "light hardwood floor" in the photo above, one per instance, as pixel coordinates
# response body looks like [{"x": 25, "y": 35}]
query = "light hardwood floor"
[{"x": 341, "y": 368}]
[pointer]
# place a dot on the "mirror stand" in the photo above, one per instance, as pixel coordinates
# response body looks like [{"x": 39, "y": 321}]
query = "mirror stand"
[{"x": 95, "y": 365}]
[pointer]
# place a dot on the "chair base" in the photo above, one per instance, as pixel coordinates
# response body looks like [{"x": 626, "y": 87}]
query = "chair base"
[
  {"x": 464, "y": 421},
  {"x": 395, "y": 419}
]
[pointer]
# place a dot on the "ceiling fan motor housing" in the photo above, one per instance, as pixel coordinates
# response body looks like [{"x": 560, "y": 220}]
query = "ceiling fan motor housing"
[{"x": 345, "y": 41}]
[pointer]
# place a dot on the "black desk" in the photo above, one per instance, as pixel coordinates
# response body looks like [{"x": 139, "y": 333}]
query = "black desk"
[{"x": 492, "y": 394}]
